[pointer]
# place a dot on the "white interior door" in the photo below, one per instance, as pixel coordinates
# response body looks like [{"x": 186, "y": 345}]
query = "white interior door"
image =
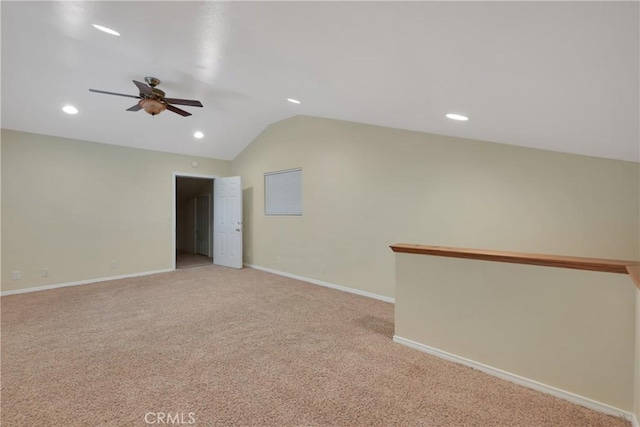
[
  {"x": 227, "y": 228},
  {"x": 202, "y": 225}
]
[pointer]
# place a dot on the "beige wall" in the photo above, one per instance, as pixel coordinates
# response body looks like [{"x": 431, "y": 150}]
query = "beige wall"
[
  {"x": 571, "y": 329},
  {"x": 75, "y": 206},
  {"x": 365, "y": 187}
]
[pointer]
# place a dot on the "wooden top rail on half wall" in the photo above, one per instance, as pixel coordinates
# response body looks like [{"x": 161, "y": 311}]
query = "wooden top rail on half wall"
[{"x": 632, "y": 268}]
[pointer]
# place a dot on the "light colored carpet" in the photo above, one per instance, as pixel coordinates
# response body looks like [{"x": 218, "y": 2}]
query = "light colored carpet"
[
  {"x": 240, "y": 348},
  {"x": 188, "y": 260}
]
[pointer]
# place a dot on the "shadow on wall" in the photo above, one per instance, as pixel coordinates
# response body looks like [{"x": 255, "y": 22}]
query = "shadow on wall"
[{"x": 247, "y": 215}]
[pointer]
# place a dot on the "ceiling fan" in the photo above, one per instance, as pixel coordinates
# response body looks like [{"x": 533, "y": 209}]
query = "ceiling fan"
[{"x": 152, "y": 99}]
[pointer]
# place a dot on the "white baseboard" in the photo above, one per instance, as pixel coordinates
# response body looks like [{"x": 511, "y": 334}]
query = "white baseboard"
[
  {"x": 535, "y": 385},
  {"x": 83, "y": 282},
  {"x": 325, "y": 284}
]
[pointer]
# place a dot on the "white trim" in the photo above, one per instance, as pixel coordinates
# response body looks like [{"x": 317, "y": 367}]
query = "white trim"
[
  {"x": 84, "y": 282},
  {"x": 634, "y": 421},
  {"x": 173, "y": 210},
  {"x": 535, "y": 385},
  {"x": 325, "y": 284}
]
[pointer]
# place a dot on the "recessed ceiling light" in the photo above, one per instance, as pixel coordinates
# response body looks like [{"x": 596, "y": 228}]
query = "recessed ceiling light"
[
  {"x": 106, "y": 30},
  {"x": 295, "y": 101},
  {"x": 198, "y": 135},
  {"x": 70, "y": 109},
  {"x": 457, "y": 117}
]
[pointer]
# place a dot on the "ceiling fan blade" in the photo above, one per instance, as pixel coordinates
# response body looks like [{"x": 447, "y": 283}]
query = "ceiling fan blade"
[
  {"x": 113, "y": 93},
  {"x": 177, "y": 110},
  {"x": 143, "y": 88},
  {"x": 190, "y": 102},
  {"x": 136, "y": 107}
]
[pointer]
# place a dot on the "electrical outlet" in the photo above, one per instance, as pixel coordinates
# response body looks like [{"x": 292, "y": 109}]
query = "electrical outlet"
[
  {"x": 114, "y": 265},
  {"x": 16, "y": 275},
  {"x": 44, "y": 272}
]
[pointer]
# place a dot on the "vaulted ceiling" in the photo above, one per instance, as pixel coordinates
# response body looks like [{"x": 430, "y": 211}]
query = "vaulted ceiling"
[{"x": 562, "y": 76}]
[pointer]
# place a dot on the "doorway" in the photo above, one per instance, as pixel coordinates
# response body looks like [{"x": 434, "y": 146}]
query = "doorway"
[
  {"x": 215, "y": 237},
  {"x": 194, "y": 216}
]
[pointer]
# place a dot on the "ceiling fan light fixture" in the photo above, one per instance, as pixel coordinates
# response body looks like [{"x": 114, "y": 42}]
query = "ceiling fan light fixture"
[
  {"x": 152, "y": 99},
  {"x": 152, "y": 106},
  {"x": 106, "y": 30}
]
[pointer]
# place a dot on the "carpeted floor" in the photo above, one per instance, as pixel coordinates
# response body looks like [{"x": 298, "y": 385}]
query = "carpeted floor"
[
  {"x": 240, "y": 348},
  {"x": 188, "y": 260}
]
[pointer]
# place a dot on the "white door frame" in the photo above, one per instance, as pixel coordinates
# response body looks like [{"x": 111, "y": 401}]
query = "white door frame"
[{"x": 173, "y": 210}]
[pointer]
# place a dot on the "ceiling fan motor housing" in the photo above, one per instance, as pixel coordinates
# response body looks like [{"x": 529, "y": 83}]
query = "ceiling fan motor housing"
[
  {"x": 152, "y": 81},
  {"x": 157, "y": 93}
]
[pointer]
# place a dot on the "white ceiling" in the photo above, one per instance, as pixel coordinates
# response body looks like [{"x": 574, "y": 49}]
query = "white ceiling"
[{"x": 562, "y": 76}]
